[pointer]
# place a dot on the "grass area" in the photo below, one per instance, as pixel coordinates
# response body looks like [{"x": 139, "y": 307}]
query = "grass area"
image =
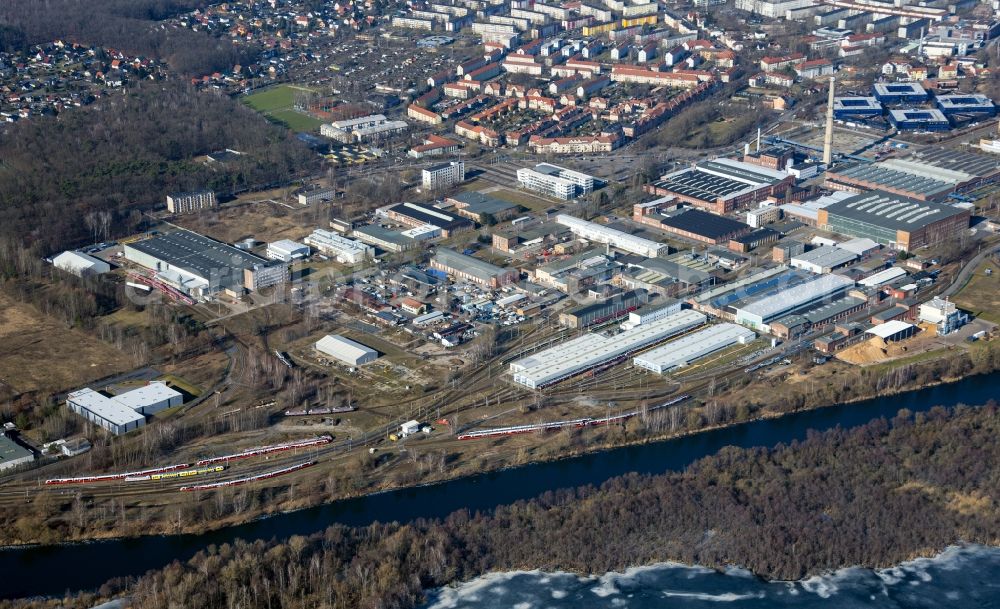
[
  {"x": 981, "y": 295},
  {"x": 42, "y": 355},
  {"x": 277, "y": 104},
  {"x": 181, "y": 385},
  {"x": 522, "y": 198},
  {"x": 911, "y": 359}
]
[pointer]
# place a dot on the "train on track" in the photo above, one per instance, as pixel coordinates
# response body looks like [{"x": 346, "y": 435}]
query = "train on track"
[
  {"x": 557, "y": 425},
  {"x": 181, "y": 474},
  {"x": 249, "y": 479},
  {"x": 265, "y": 450}
]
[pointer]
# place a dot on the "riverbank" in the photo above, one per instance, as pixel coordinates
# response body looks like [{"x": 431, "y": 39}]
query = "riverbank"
[
  {"x": 742, "y": 405},
  {"x": 874, "y": 495}
]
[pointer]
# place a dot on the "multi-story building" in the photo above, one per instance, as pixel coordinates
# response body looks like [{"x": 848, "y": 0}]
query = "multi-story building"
[
  {"x": 443, "y": 175},
  {"x": 346, "y": 251},
  {"x": 190, "y": 202},
  {"x": 555, "y": 181}
]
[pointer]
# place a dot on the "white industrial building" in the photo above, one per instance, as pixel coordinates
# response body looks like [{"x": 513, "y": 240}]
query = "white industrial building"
[
  {"x": 613, "y": 237},
  {"x": 287, "y": 250},
  {"x": 555, "y": 181},
  {"x": 892, "y": 330},
  {"x": 759, "y": 313},
  {"x": 80, "y": 264},
  {"x": 346, "y": 350},
  {"x": 683, "y": 351},
  {"x": 882, "y": 277},
  {"x": 443, "y": 175},
  {"x": 651, "y": 313},
  {"x": 188, "y": 202},
  {"x": 346, "y": 251},
  {"x": 591, "y": 350},
  {"x": 943, "y": 314},
  {"x": 125, "y": 412},
  {"x": 823, "y": 259}
]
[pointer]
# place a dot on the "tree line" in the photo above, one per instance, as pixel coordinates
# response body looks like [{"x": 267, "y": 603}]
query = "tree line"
[
  {"x": 875, "y": 495},
  {"x": 126, "y": 25}
]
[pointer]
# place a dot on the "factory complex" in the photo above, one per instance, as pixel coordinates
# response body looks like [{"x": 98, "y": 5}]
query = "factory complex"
[{"x": 126, "y": 411}]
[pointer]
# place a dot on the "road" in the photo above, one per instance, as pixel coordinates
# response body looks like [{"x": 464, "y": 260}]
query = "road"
[{"x": 970, "y": 267}]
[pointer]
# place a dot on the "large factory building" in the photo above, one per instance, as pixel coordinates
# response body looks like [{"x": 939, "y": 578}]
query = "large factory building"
[
  {"x": 722, "y": 185},
  {"x": 898, "y": 222},
  {"x": 199, "y": 267}
]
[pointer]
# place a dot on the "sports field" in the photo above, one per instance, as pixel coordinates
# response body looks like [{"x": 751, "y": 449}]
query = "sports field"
[{"x": 278, "y": 105}]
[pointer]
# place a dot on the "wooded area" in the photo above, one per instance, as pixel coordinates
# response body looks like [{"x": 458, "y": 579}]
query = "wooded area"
[
  {"x": 873, "y": 496},
  {"x": 125, "y": 154},
  {"x": 126, "y": 25}
]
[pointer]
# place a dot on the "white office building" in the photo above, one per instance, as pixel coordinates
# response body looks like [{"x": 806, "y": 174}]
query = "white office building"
[
  {"x": 190, "y": 202},
  {"x": 444, "y": 175},
  {"x": 80, "y": 264},
  {"x": 555, "y": 181},
  {"x": 345, "y": 350},
  {"x": 683, "y": 351},
  {"x": 346, "y": 251},
  {"x": 287, "y": 250},
  {"x": 599, "y": 233}
]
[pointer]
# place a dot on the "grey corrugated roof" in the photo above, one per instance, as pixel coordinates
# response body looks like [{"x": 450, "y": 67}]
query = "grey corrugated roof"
[{"x": 892, "y": 211}]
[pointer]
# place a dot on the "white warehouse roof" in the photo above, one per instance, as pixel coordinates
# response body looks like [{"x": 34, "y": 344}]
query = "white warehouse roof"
[
  {"x": 883, "y": 277},
  {"x": 289, "y": 247},
  {"x": 153, "y": 393},
  {"x": 578, "y": 355},
  {"x": 107, "y": 408},
  {"x": 79, "y": 263},
  {"x": 889, "y": 329},
  {"x": 683, "y": 351},
  {"x": 614, "y": 237},
  {"x": 346, "y": 350},
  {"x": 771, "y": 306}
]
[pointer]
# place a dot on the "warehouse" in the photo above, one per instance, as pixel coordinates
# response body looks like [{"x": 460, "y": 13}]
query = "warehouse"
[
  {"x": 611, "y": 309},
  {"x": 724, "y": 300},
  {"x": 722, "y": 185},
  {"x": 345, "y": 350},
  {"x": 80, "y": 264},
  {"x": 897, "y": 179},
  {"x": 683, "y": 351},
  {"x": 898, "y": 222},
  {"x": 856, "y": 107},
  {"x": 151, "y": 398},
  {"x": 107, "y": 412},
  {"x": 472, "y": 269},
  {"x": 760, "y": 312},
  {"x": 823, "y": 259},
  {"x": 13, "y": 454},
  {"x": 969, "y": 103},
  {"x": 892, "y": 331},
  {"x": 592, "y": 350},
  {"x": 199, "y": 266},
  {"x": 883, "y": 277},
  {"x": 919, "y": 120},
  {"x": 287, "y": 250},
  {"x": 346, "y": 251},
  {"x": 482, "y": 208},
  {"x": 383, "y": 238},
  {"x": 899, "y": 93},
  {"x": 414, "y": 215},
  {"x": 599, "y": 233},
  {"x": 703, "y": 226}
]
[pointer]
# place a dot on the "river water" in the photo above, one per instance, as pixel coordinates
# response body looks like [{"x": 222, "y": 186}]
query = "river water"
[
  {"x": 960, "y": 577},
  {"x": 47, "y": 570}
]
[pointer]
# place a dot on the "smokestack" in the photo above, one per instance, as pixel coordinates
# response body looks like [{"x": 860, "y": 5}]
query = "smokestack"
[
  {"x": 758, "y": 139},
  {"x": 828, "y": 138}
]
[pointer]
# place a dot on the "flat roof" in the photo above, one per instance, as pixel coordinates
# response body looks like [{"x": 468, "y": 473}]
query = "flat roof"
[
  {"x": 889, "y": 177},
  {"x": 797, "y": 296},
  {"x": 718, "y": 179},
  {"x": 891, "y": 211},
  {"x": 288, "y": 245},
  {"x": 964, "y": 100},
  {"x": 429, "y": 215},
  {"x": 832, "y": 309},
  {"x": 109, "y": 409},
  {"x": 12, "y": 451},
  {"x": 848, "y": 104},
  {"x": 197, "y": 254},
  {"x": 898, "y": 88},
  {"x": 923, "y": 115},
  {"x": 467, "y": 264},
  {"x": 826, "y": 256},
  {"x": 611, "y": 303},
  {"x": 703, "y": 223},
  {"x": 684, "y": 350},
  {"x": 889, "y": 328},
  {"x": 480, "y": 203},
  {"x": 147, "y": 395},
  {"x": 381, "y": 233}
]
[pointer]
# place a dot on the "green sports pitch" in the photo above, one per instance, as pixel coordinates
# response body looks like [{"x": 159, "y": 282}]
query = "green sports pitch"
[{"x": 278, "y": 105}]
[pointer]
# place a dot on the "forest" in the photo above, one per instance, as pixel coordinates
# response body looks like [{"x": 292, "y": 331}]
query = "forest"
[
  {"x": 126, "y": 25},
  {"x": 122, "y": 156},
  {"x": 875, "y": 495}
]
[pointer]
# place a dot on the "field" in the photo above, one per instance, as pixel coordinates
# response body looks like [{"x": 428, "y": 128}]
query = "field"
[
  {"x": 277, "y": 104},
  {"x": 981, "y": 296},
  {"x": 41, "y": 355}
]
